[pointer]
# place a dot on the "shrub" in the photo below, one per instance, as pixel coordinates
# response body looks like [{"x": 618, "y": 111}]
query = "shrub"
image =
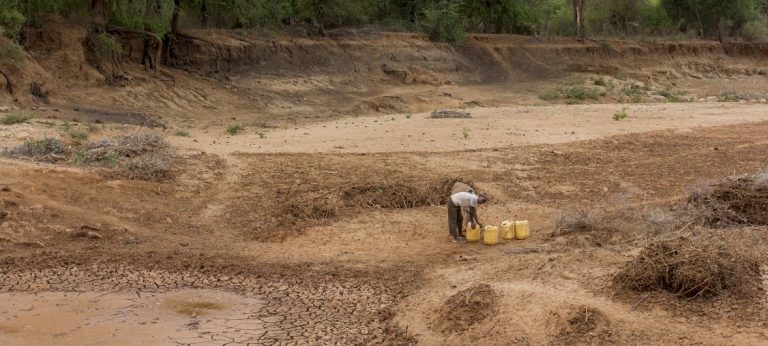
[
  {"x": 234, "y": 129},
  {"x": 17, "y": 118},
  {"x": 729, "y": 96},
  {"x": 11, "y": 54},
  {"x": 444, "y": 22},
  {"x": 465, "y": 132},
  {"x": 755, "y": 31},
  {"x": 182, "y": 133},
  {"x": 550, "y": 95},
  {"x": 581, "y": 93},
  {"x": 46, "y": 150},
  {"x": 78, "y": 134},
  {"x": 620, "y": 115},
  {"x": 11, "y": 20}
]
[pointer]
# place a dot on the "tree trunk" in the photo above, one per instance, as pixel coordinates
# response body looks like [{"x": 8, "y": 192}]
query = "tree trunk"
[
  {"x": 146, "y": 57},
  {"x": 203, "y": 14},
  {"x": 99, "y": 13},
  {"x": 578, "y": 18},
  {"x": 170, "y": 38}
]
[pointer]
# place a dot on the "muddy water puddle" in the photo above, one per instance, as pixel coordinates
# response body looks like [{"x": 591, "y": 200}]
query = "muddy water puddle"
[{"x": 183, "y": 317}]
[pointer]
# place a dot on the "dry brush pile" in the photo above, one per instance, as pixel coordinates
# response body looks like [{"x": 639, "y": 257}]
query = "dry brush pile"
[
  {"x": 466, "y": 308},
  {"x": 396, "y": 192},
  {"x": 692, "y": 269},
  {"x": 614, "y": 227},
  {"x": 140, "y": 157},
  {"x": 741, "y": 201}
]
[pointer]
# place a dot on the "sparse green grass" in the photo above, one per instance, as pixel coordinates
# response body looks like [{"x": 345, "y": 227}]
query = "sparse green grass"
[
  {"x": 17, "y": 118},
  {"x": 621, "y": 115},
  {"x": 633, "y": 91},
  {"x": 729, "y": 96},
  {"x": 78, "y": 134},
  {"x": 234, "y": 129},
  {"x": 581, "y": 93},
  {"x": 636, "y": 99},
  {"x": 466, "y": 133},
  {"x": 550, "y": 95},
  {"x": 671, "y": 95},
  {"x": 408, "y": 116},
  {"x": 262, "y": 135},
  {"x": 182, "y": 133},
  {"x": 66, "y": 126},
  {"x": 571, "y": 94}
]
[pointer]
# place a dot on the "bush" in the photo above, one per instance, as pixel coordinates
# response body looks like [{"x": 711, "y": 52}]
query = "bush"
[
  {"x": 234, "y": 129},
  {"x": 11, "y": 20},
  {"x": 581, "y": 93},
  {"x": 755, "y": 31},
  {"x": 17, "y": 118},
  {"x": 334, "y": 13},
  {"x": 620, "y": 115},
  {"x": 11, "y": 54},
  {"x": 78, "y": 134},
  {"x": 444, "y": 22},
  {"x": 182, "y": 133},
  {"x": 45, "y": 150}
]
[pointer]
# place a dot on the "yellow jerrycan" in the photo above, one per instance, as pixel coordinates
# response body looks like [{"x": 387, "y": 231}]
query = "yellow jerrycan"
[
  {"x": 522, "y": 230},
  {"x": 508, "y": 230},
  {"x": 491, "y": 235},
  {"x": 473, "y": 234}
]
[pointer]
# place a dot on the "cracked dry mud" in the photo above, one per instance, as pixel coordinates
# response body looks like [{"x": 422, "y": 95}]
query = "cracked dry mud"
[{"x": 196, "y": 309}]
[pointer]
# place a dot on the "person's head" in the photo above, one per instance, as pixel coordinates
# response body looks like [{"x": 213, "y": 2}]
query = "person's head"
[{"x": 481, "y": 199}]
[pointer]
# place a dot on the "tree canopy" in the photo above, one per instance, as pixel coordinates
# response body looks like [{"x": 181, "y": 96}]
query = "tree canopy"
[{"x": 444, "y": 20}]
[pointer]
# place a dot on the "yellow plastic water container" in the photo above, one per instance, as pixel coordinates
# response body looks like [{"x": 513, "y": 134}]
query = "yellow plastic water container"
[
  {"x": 508, "y": 230},
  {"x": 522, "y": 230},
  {"x": 473, "y": 234},
  {"x": 491, "y": 235}
]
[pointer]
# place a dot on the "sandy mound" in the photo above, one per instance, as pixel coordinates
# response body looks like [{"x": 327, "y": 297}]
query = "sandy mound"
[
  {"x": 692, "y": 269},
  {"x": 585, "y": 326},
  {"x": 466, "y": 308}
]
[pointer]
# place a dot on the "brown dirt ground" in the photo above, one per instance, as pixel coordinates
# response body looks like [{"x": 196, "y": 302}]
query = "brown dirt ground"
[{"x": 287, "y": 239}]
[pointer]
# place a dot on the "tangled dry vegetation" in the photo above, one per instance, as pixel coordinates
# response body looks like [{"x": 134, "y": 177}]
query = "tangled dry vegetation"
[
  {"x": 742, "y": 201},
  {"x": 585, "y": 326},
  {"x": 396, "y": 193},
  {"x": 614, "y": 227},
  {"x": 140, "y": 157},
  {"x": 691, "y": 268},
  {"x": 466, "y": 308}
]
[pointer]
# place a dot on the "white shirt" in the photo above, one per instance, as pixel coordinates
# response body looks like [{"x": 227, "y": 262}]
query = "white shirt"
[{"x": 464, "y": 199}]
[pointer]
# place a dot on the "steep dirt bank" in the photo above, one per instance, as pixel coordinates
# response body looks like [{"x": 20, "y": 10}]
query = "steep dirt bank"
[
  {"x": 221, "y": 77},
  {"x": 410, "y": 59}
]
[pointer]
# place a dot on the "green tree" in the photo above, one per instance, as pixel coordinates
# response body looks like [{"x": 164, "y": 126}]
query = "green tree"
[
  {"x": 709, "y": 18},
  {"x": 500, "y": 16}
]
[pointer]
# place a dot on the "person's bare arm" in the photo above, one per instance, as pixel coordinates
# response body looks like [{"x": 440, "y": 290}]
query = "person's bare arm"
[{"x": 473, "y": 217}]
